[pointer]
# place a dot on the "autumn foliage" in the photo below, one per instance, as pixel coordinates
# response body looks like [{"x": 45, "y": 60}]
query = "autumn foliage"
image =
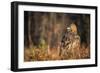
[{"x": 36, "y": 54}]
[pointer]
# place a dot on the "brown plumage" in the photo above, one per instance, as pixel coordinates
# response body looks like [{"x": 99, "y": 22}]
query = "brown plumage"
[{"x": 70, "y": 43}]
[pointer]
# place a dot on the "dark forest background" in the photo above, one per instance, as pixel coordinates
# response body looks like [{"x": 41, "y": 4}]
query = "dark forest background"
[{"x": 39, "y": 26}]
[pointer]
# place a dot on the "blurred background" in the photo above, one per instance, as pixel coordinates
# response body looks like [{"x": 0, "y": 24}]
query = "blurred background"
[{"x": 49, "y": 27}]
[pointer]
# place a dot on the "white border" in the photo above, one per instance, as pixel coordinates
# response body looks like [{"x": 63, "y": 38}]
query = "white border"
[{"x": 22, "y": 64}]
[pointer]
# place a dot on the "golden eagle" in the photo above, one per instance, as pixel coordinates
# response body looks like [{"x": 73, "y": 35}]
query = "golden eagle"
[{"x": 70, "y": 43}]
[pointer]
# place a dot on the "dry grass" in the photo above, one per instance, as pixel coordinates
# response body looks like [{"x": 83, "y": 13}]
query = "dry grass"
[{"x": 38, "y": 54}]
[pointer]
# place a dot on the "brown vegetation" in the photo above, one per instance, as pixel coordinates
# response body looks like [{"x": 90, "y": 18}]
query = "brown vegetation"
[{"x": 36, "y": 54}]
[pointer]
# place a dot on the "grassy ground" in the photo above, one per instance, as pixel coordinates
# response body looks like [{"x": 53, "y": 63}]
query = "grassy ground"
[{"x": 38, "y": 54}]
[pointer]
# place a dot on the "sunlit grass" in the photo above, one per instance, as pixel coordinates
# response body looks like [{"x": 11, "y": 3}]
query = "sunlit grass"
[{"x": 45, "y": 54}]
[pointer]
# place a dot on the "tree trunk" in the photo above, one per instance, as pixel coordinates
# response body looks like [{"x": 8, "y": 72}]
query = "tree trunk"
[{"x": 29, "y": 30}]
